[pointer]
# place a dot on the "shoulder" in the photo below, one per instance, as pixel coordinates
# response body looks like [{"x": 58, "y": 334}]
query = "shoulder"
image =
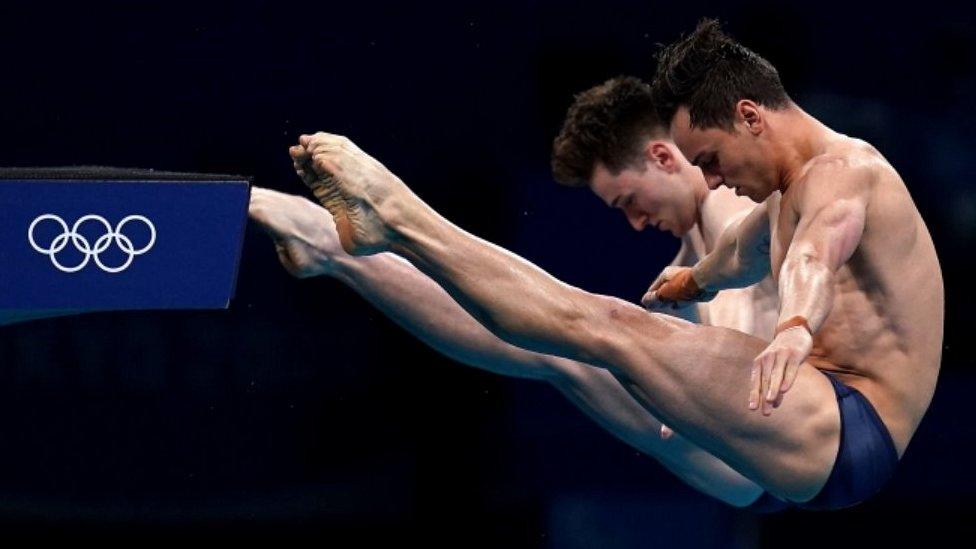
[
  {"x": 838, "y": 169},
  {"x": 847, "y": 174}
]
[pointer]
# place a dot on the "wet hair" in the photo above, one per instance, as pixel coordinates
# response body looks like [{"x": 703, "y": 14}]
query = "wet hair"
[
  {"x": 607, "y": 123},
  {"x": 708, "y": 72}
]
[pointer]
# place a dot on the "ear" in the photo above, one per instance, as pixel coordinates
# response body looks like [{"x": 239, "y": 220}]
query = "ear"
[
  {"x": 661, "y": 155},
  {"x": 749, "y": 114}
]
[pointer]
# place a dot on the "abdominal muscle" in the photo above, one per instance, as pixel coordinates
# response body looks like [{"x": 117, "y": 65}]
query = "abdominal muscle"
[{"x": 860, "y": 345}]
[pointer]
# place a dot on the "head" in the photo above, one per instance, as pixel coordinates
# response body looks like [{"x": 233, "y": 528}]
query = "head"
[
  {"x": 717, "y": 98},
  {"x": 613, "y": 141}
]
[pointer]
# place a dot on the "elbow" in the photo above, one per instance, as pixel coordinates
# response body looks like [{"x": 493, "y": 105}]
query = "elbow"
[
  {"x": 806, "y": 262},
  {"x": 805, "y": 270}
]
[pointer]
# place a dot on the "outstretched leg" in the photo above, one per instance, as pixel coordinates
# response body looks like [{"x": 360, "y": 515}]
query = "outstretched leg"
[
  {"x": 695, "y": 378},
  {"x": 307, "y": 244}
]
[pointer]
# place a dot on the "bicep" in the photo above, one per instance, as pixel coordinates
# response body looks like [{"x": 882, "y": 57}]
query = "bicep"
[
  {"x": 752, "y": 233},
  {"x": 830, "y": 233}
]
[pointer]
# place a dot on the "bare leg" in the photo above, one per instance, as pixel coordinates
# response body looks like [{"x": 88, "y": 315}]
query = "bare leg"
[
  {"x": 695, "y": 378},
  {"x": 308, "y": 245}
]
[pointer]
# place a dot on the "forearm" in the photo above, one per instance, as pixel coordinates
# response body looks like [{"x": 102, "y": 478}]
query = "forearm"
[
  {"x": 419, "y": 305},
  {"x": 736, "y": 262},
  {"x": 806, "y": 289}
]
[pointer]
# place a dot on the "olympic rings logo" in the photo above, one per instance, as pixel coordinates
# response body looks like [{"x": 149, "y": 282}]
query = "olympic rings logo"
[{"x": 85, "y": 247}]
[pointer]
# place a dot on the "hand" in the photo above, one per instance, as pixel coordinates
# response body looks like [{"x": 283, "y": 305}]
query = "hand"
[
  {"x": 775, "y": 369},
  {"x": 666, "y": 432},
  {"x": 303, "y": 232},
  {"x": 675, "y": 288}
]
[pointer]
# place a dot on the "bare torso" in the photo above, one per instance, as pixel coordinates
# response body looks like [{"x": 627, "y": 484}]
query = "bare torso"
[{"x": 883, "y": 335}]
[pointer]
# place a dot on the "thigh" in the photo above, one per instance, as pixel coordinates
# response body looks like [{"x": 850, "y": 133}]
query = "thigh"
[
  {"x": 696, "y": 379},
  {"x": 601, "y": 396}
]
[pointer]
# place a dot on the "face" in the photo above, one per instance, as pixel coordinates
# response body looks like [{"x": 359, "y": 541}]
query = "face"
[
  {"x": 648, "y": 195},
  {"x": 736, "y": 159}
]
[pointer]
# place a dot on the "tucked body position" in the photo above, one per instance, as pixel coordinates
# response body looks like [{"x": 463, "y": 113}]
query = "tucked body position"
[
  {"x": 612, "y": 142},
  {"x": 819, "y": 416}
]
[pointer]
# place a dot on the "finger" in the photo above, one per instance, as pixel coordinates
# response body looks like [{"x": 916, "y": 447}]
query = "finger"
[
  {"x": 754, "y": 383},
  {"x": 649, "y": 299},
  {"x": 789, "y": 376},
  {"x": 776, "y": 377},
  {"x": 661, "y": 279},
  {"x": 666, "y": 432},
  {"x": 792, "y": 369},
  {"x": 764, "y": 375}
]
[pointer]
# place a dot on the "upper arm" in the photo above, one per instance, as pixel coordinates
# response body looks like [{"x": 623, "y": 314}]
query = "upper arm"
[
  {"x": 752, "y": 234},
  {"x": 832, "y": 210}
]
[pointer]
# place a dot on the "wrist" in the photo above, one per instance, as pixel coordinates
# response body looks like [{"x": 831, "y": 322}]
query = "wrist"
[
  {"x": 797, "y": 321},
  {"x": 701, "y": 278},
  {"x": 681, "y": 286}
]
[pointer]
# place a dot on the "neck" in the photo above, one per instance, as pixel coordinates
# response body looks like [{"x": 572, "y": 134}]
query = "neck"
[
  {"x": 719, "y": 209},
  {"x": 697, "y": 182},
  {"x": 799, "y": 138}
]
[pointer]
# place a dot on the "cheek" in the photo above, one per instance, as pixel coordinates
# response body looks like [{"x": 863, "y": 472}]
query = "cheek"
[{"x": 649, "y": 202}]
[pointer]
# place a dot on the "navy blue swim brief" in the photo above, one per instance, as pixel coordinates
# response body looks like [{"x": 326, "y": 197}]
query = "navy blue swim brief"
[{"x": 865, "y": 460}]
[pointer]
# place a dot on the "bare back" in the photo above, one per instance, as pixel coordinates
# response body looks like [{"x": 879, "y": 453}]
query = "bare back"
[{"x": 883, "y": 335}]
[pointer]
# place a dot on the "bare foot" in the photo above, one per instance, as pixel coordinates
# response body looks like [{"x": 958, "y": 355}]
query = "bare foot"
[
  {"x": 303, "y": 232},
  {"x": 352, "y": 185}
]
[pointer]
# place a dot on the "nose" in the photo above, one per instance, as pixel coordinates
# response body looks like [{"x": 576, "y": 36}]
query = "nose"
[{"x": 637, "y": 221}]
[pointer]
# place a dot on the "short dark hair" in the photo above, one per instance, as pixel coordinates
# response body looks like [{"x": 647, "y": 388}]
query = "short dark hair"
[
  {"x": 605, "y": 123},
  {"x": 709, "y": 73}
]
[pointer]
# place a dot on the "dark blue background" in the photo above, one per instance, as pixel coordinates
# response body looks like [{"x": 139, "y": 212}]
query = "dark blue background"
[{"x": 302, "y": 411}]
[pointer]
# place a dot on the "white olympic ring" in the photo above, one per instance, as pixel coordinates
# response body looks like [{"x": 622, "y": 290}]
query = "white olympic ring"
[{"x": 84, "y": 246}]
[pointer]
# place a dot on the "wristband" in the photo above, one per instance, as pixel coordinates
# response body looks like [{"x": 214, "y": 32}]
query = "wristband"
[
  {"x": 681, "y": 287},
  {"x": 793, "y": 323}
]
